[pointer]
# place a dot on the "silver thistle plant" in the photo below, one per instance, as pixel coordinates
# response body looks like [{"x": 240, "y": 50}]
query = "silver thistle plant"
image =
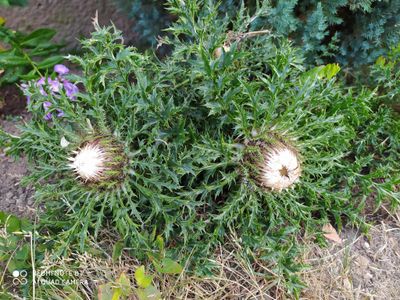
[{"x": 180, "y": 130}]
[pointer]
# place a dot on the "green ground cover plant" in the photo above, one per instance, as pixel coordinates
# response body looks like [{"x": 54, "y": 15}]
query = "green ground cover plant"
[{"x": 230, "y": 137}]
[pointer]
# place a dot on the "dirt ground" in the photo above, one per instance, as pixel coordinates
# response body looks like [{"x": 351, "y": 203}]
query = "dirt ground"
[
  {"x": 13, "y": 197},
  {"x": 362, "y": 267}
]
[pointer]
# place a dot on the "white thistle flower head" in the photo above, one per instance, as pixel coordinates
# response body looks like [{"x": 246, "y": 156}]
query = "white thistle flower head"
[
  {"x": 277, "y": 164},
  {"x": 96, "y": 161},
  {"x": 280, "y": 168}
]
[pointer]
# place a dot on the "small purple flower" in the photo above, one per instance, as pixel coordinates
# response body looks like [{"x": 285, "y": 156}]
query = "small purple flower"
[
  {"x": 49, "y": 115},
  {"x": 54, "y": 85},
  {"x": 70, "y": 89},
  {"x": 40, "y": 84},
  {"x": 61, "y": 70},
  {"x": 46, "y": 105},
  {"x": 60, "y": 113}
]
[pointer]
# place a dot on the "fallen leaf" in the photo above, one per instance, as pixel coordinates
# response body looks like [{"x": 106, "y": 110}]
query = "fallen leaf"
[{"x": 331, "y": 234}]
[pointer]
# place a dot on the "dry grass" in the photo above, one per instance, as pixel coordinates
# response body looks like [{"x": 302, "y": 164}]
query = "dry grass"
[
  {"x": 363, "y": 267},
  {"x": 235, "y": 279}
]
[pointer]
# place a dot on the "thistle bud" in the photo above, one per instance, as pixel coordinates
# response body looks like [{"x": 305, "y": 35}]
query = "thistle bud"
[
  {"x": 98, "y": 160},
  {"x": 220, "y": 50},
  {"x": 277, "y": 165}
]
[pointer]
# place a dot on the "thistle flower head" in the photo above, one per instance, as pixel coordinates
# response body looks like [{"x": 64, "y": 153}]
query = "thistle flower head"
[
  {"x": 278, "y": 168},
  {"x": 98, "y": 161},
  {"x": 220, "y": 50}
]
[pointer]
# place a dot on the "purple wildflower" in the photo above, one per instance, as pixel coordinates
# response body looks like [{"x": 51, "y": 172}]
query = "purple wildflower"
[
  {"x": 40, "y": 84},
  {"x": 46, "y": 105},
  {"x": 54, "y": 85},
  {"x": 61, "y": 70},
  {"x": 70, "y": 89},
  {"x": 49, "y": 115},
  {"x": 60, "y": 113}
]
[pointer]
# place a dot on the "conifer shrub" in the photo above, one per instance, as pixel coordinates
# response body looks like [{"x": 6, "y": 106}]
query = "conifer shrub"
[
  {"x": 352, "y": 33},
  {"x": 200, "y": 148}
]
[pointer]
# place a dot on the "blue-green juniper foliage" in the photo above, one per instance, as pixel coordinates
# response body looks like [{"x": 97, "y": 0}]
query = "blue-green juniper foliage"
[{"x": 352, "y": 33}]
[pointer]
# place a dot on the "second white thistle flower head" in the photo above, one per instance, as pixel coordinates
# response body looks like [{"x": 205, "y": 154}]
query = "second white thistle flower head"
[
  {"x": 277, "y": 165},
  {"x": 97, "y": 160},
  {"x": 280, "y": 168}
]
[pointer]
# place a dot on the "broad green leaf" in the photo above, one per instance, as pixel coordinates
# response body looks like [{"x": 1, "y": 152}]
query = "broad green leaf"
[
  {"x": 15, "y": 264},
  {"x": 149, "y": 293},
  {"x": 13, "y": 224},
  {"x": 170, "y": 266},
  {"x": 330, "y": 70},
  {"x": 141, "y": 278},
  {"x": 125, "y": 284},
  {"x": 117, "y": 293},
  {"x": 18, "y": 2},
  {"x": 2, "y": 21},
  {"x": 105, "y": 292},
  {"x": 3, "y": 217},
  {"x": 45, "y": 49},
  {"x": 29, "y": 76},
  {"x": 160, "y": 243},
  {"x": 316, "y": 71},
  {"x": 11, "y": 59},
  {"x": 38, "y": 36},
  {"x": 117, "y": 251},
  {"x": 50, "y": 62},
  {"x": 23, "y": 253},
  {"x": 380, "y": 61},
  {"x": 26, "y": 225}
]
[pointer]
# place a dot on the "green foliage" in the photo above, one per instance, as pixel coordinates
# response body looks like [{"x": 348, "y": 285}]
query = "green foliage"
[
  {"x": 352, "y": 33},
  {"x": 122, "y": 288},
  {"x": 386, "y": 73},
  {"x": 185, "y": 124},
  {"x": 27, "y": 56},
  {"x": 15, "y": 251},
  {"x": 13, "y": 2}
]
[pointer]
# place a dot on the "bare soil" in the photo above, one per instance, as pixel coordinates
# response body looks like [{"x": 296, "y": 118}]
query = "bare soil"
[
  {"x": 14, "y": 198},
  {"x": 12, "y": 102}
]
